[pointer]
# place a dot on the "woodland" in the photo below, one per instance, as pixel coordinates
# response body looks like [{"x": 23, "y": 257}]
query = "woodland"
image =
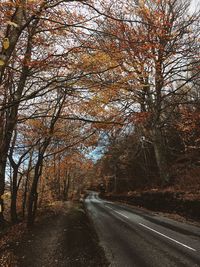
[{"x": 97, "y": 94}]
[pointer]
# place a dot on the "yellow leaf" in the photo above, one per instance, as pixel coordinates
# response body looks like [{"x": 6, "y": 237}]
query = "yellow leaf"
[
  {"x": 1, "y": 62},
  {"x": 6, "y": 43}
]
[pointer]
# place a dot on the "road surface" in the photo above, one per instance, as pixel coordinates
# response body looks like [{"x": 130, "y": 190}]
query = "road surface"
[{"x": 132, "y": 237}]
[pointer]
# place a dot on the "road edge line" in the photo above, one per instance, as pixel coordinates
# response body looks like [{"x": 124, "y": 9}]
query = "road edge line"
[{"x": 151, "y": 229}]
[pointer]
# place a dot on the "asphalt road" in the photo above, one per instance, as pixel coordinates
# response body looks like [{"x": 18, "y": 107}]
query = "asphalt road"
[{"x": 132, "y": 237}]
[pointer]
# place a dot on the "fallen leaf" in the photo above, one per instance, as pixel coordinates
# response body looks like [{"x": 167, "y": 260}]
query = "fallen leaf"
[
  {"x": 6, "y": 43},
  {"x": 1, "y": 62}
]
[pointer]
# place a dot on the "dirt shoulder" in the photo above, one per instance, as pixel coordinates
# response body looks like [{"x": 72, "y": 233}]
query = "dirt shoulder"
[{"x": 62, "y": 238}]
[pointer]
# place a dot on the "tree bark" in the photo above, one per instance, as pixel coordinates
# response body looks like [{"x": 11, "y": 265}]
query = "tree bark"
[
  {"x": 2, "y": 185},
  {"x": 33, "y": 196},
  {"x": 25, "y": 197},
  {"x": 9, "y": 112},
  {"x": 66, "y": 186},
  {"x": 13, "y": 207},
  {"x": 160, "y": 154}
]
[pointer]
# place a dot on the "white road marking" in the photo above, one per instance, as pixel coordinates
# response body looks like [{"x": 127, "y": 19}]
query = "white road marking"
[
  {"x": 108, "y": 207},
  {"x": 117, "y": 212},
  {"x": 122, "y": 214},
  {"x": 167, "y": 237},
  {"x": 151, "y": 229}
]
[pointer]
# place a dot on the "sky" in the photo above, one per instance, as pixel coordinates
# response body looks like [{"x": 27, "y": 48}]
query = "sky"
[{"x": 195, "y": 3}]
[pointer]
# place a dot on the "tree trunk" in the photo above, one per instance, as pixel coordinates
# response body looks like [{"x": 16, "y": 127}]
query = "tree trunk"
[
  {"x": 32, "y": 203},
  {"x": 2, "y": 221},
  {"x": 66, "y": 187},
  {"x": 33, "y": 196},
  {"x": 6, "y": 129},
  {"x": 160, "y": 154},
  {"x": 41, "y": 190},
  {"x": 32, "y": 206},
  {"x": 13, "y": 207},
  {"x": 2, "y": 187},
  {"x": 24, "y": 197},
  {"x": 26, "y": 185},
  {"x": 58, "y": 178},
  {"x": 8, "y": 117},
  {"x": 115, "y": 187}
]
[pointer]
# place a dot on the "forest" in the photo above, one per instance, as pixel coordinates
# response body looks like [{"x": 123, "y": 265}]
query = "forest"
[{"x": 100, "y": 95}]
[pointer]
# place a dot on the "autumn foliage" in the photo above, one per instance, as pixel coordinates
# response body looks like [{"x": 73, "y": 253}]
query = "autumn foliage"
[{"x": 75, "y": 75}]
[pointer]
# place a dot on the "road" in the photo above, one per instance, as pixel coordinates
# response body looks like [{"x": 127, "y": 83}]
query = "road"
[{"x": 133, "y": 237}]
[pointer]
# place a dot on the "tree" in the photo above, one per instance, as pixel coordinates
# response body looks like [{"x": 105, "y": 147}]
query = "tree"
[
  {"x": 36, "y": 44},
  {"x": 155, "y": 47}
]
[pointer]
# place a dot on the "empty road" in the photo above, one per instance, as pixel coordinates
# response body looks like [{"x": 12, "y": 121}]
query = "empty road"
[{"x": 132, "y": 237}]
